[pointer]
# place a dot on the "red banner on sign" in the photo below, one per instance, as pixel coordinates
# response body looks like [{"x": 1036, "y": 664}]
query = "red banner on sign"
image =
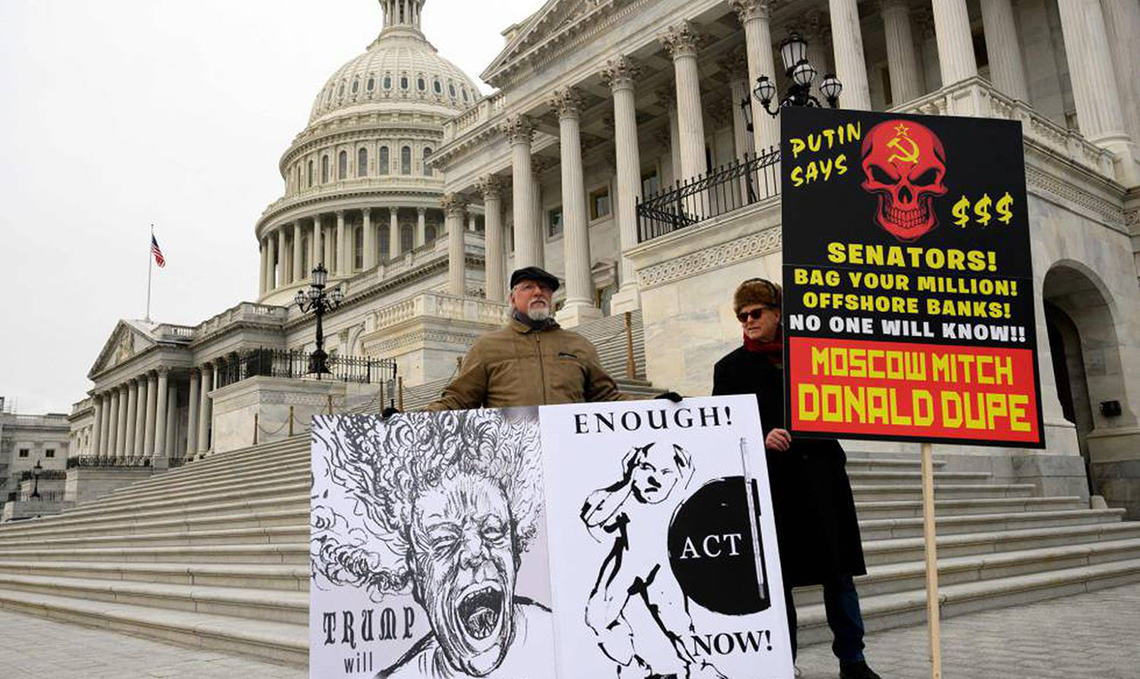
[{"x": 925, "y": 390}]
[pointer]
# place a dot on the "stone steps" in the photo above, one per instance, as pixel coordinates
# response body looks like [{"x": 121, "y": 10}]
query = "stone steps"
[
  {"x": 942, "y": 491},
  {"x": 280, "y": 642},
  {"x": 879, "y": 529},
  {"x": 267, "y": 576},
  {"x": 895, "y": 509}
]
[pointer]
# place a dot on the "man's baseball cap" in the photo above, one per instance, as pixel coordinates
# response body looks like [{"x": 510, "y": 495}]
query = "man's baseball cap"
[{"x": 533, "y": 273}]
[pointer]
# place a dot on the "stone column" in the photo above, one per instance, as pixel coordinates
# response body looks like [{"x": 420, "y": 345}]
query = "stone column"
[
  {"x": 171, "y": 421},
  {"x": 369, "y": 240},
  {"x": 850, "y": 65},
  {"x": 1007, "y": 71},
  {"x": 1100, "y": 115},
  {"x": 140, "y": 418},
  {"x": 271, "y": 270},
  {"x": 496, "y": 278},
  {"x": 579, "y": 305},
  {"x": 538, "y": 236},
  {"x": 756, "y": 15},
  {"x": 128, "y": 448},
  {"x": 107, "y": 438},
  {"x": 682, "y": 41},
  {"x": 343, "y": 267},
  {"x": 282, "y": 262},
  {"x": 316, "y": 255},
  {"x": 97, "y": 429},
  {"x": 328, "y": 241},
  {"x": 454, "y": 206},
  {"x": 620, "y": 74},
  {"x": 113, "y": 418},
  {"x": 298, "y": 268},
  {"x": 421, "y": 227},
  {"x": 956, "y": 60},
  {"x": 162, "y": 386},
  {"x": 518, "y": 131},
  {"x": 264, "y": 251},
  {"x": 192, "y": 418},
  {"x": 204, "y": 411},
  {"x": 1122, "y": 21},
  {"x": 902, "y": 57},
  {"x": 151, "y": 414},
  {"x": 393, "y": 232},
  {"x": 735, "y": 65}
]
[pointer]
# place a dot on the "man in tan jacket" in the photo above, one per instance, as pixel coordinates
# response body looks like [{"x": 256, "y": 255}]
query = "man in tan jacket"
[{"x": 532, "y": 361}]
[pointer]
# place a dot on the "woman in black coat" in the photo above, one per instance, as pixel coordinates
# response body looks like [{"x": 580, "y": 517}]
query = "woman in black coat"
[{"x": 815, "y": 518}]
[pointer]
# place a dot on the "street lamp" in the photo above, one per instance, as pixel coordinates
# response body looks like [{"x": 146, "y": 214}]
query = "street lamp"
[
  {"x": 801, "y": 73},
  {"x": 36, "y": 483},
  {"x": 319, "y": 301}
]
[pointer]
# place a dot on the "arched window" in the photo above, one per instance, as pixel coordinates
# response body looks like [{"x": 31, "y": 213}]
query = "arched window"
[
  {"x": 403, "y": 82},
  {"x": 340, "y": 90},
  {"x": 371, "y": 84},
  {"x": 421, "y": 84},
  {"x": 406, "y": 160},
  {"x": 429, "y": 233},
  {"x": 383, "y": 160},
  {"x": 427, "y": 168},
  {"x": 451, "y": 89},
  {"x": 437, "y": 86},
  {"x": 310, "y": 173},
  {"x": 305, "y": 263},
  {"x": 362, "y": 162},
  {"x": 407, "y": 237},
  {"x": 387, "y": 82},
  {"x": 355, "y": 86},
  {"x": 464, "y": 90},
  {"x": 342, "y": 165},
  {"x": 324, "y": 169}
]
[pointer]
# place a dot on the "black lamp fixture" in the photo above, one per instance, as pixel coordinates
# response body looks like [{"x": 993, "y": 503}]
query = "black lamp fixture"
[
  {"x": 319, "y": 301},
  {"x": 36, "y": 483},
  {"x": 801, "y": 73}
]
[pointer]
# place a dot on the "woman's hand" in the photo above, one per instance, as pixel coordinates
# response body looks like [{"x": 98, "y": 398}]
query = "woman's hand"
[{"x": 778, "y": 439}]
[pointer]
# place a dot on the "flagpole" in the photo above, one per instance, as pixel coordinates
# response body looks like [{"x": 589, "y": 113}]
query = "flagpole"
[{"x": 149, "y": 270}]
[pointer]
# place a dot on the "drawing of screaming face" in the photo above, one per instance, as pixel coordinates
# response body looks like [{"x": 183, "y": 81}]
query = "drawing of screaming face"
[{"x": 463, "y": 566}]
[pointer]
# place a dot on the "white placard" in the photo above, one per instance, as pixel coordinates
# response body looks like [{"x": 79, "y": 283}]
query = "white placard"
[{"x": 653, "y": 559}]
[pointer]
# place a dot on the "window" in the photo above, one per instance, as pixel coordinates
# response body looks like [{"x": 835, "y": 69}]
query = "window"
[
  {"x": 650, "y": 184},
  {"x": 340, "y": 91},
  {"x": 421, "y": 84},
  {"x": 306, "y": 265},
  {"x": 324, "y": 169},
  {"x": 406, "y": 160},
  {"x": 437, "y": 86},
  {"x": 451, "y": 89},
  {"x": 50, "y": 452},
  {"x": 371, "y": 84},
  {"x": 342, "y": 165},
  {"x": 362, "y": 162},
  {"x": 383, "y": 160},
  {"x": 407, "y": 237},
  {"x": 464, "y": 90},
  {"x": 600, "y": 203},
  {"x": 403, "y": 82},
  {"x": 387, "y": 82},
  {"x": 310, "y": 173},
  {"x": 355, "y": 86},
  {"x": 427, "y": 168},
  {"x": 24, "y": 452},
  {"x": 429, "y": 233},
  {"x": 554, "y": 225},
  {"x": 358, "y": 247}
]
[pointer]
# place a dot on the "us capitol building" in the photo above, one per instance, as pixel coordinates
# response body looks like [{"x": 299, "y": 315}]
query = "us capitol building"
[{"x": 420, "y": 195}]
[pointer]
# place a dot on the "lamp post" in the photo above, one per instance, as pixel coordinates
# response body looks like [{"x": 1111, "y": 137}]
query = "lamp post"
[
  {"x": 36, "y": 483},
  {"x": 801, "y": 73},
  {"x": 319, "y": 301}
]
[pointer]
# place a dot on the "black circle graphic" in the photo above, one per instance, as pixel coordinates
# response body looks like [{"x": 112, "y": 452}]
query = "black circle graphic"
[{"x": 711, "y": 553}]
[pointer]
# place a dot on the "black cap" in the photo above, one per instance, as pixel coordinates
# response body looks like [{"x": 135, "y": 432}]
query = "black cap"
[{"x": 533, "y": 273}]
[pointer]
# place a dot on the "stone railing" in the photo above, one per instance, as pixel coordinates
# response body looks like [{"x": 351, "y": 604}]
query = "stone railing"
[
  {"x": 439, "y": 305},
  {"x": 484, "y": 110},
  {"x": 81, "y": 406},
  {"x": 390, "y": 182},
  {"x": 247, "y": 312},
  {"x": 167, "y": 332},
  {"x": 977, "y": 98}
]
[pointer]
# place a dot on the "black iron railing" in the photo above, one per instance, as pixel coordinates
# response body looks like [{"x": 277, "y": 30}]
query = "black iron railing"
[
  {"x": 45, "y": 475},
  {"x": 742, "y": 182},
  {"x": 295, "y": 364}
]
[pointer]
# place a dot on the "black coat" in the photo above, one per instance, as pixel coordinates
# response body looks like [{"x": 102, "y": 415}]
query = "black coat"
[{"x": 815, "y": 512}]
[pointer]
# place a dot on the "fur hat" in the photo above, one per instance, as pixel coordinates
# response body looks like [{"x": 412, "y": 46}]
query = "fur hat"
[{"x": 757, "y": 291}]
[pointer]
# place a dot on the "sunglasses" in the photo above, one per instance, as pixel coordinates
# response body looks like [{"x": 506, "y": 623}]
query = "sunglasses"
[{"x": 755, "y": 314}]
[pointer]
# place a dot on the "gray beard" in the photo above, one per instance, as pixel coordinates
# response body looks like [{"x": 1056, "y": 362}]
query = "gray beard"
[{"x": 538, "y": 315}]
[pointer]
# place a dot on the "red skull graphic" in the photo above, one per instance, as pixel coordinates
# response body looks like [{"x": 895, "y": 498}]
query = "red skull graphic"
[{"x": 904, "y": 164}]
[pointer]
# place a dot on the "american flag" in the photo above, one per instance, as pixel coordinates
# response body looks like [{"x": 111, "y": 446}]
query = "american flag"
[{"x": 157, "y": 252}]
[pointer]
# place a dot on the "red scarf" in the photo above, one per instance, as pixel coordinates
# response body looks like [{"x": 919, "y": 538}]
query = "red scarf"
[{"x": 774, "y": 349}]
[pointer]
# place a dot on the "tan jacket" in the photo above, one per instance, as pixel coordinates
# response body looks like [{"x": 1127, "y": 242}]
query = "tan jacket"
[{"x": 521, "y": 366}]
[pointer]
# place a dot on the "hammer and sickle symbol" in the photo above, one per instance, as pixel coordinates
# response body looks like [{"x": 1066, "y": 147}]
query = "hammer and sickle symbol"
[{"x": 907, "y": 156}]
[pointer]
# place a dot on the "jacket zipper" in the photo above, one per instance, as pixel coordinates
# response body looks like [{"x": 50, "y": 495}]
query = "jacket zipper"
[{"x": 541, "y": 370}]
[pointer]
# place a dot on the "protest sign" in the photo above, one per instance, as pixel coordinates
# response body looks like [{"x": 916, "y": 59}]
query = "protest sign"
[
  {"x": 908, "y": 285},
  {"x": 628, "y": 537}
]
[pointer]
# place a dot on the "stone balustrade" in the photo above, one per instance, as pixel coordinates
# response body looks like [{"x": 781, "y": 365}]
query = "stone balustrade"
[{"x": 441, "y": 306}]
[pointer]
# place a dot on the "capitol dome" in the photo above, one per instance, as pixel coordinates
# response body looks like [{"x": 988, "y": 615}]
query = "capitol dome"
[{"x": 360, "y": 194}]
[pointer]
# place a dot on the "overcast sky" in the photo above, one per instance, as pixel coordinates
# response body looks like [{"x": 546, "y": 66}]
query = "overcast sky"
[{"x": 114, "y": 115}]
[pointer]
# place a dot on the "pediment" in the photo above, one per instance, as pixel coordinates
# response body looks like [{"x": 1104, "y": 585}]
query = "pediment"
[
  {"x": 125, "y": 341},
  {"x": 552, "y": 20}
]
